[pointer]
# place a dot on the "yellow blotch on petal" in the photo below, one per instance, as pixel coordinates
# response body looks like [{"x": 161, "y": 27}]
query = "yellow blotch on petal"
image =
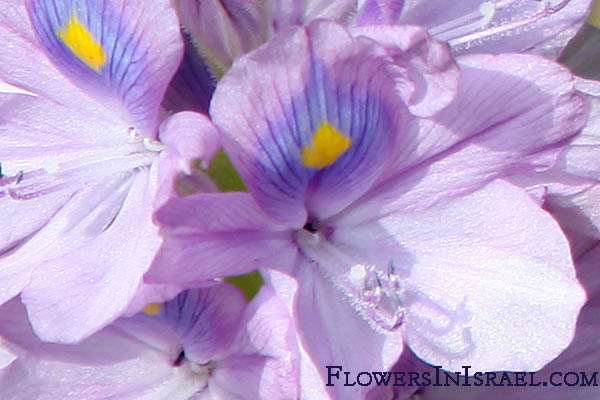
[
  {"x": 151, "y": 309},
  {"x": 328, "y": 145},
  {"x": 82, "y": 44}
]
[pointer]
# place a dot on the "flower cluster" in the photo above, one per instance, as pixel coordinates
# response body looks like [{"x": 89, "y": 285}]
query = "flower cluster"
[{"x": 415, "y": 182}]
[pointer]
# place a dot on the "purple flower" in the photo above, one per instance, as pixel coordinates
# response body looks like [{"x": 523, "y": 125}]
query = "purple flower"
[
  {"x": 84, "y": 162},
  {"x": 202, "y": 344},
  {"x": 225, "y": 30},
  {"x": 390, "y": 228}
]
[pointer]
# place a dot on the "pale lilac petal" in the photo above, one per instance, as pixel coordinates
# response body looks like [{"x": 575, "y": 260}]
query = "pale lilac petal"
[
  {"x": 431, "y": 74},
  {"x": 498, "y": 26},
  {"x": 325, "y": 9},
  {"x": 512, "y": 114},
  {"x": 26, "y": 68},
  {"x": 483, "y": 288},
  {"x": 572, "y": 185},
  {"x": 109, "y": 364},
  {"x": 67, "y": 171},
  {"x": 570, "y": 188},
  {"x": 190, "y": 136},
  {"x": 223, "y": 30},
  {"x": 198, "y": 247},
  {"x": 580, "y": 157},
  {"x": 44, "y": 179},
  {"x": 285, "y": 13},
  {"x": 150, "y": 294},
  {"x": 81, "y": 162},
  {"x": 153, "y": 331},
  {"x": 376, "y": 12},
  {"x": 90, "y": 271},
  {"x": 206, "y": 320},
  {"x": 132, "y": 50},
  {"x": 581, "y": 357},
  {"x": 312, "y": 385},
  {"x": 46, "y": 174},
  {"x": 66, "y": 132},
  {"x": 274, "y": 100},
  {"x": 334, "y": 334},
  {"x": 263, "y": 361}
]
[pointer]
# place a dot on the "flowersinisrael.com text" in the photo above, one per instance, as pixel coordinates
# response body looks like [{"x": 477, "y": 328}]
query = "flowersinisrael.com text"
[{"x": 337, "y": 376}]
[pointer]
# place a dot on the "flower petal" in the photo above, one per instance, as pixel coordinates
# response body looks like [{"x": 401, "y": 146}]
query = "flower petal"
[
  {"x": 492, "y": 284},
  {"x": 206, "y": 320},
  {"x": 321, "y": 311},
  {"x": 75, "y": 261},
  {"x": 378, "y": 12},
  {"x": 511, "y": 115},
  {"x": 199, "y": 247},
  {"x": 191, "y": 136},
  {"x": 572, "y": 185},
  {"x": 108, "y": 364},
  {"x": 564, "y": 376},
  {"x": 309, "y": 120},
  {"x": 262, "y": 361},
  {"x": 498, "y": 26},
  {"x": 431, "y": 74},
  {"x": 223, "y": 30},
  {"x": 115, "y": 48}
]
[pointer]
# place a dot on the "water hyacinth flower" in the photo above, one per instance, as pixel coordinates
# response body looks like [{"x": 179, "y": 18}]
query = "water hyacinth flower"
[
  {"x": 388, "y": 227},
  {"x": 225, "y": 30},
  {"x": 205, "y": 344},
  {"x": 84, "y": 162}
]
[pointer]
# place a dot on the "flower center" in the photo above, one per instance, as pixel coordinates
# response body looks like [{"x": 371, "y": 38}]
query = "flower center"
[{"x": 375, "y": 292}]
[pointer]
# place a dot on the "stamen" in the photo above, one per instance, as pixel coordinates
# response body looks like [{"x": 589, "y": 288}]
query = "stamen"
[
  {"x": 151, "y": 309},
  {"x": 306, "y": 238},
  {"x": 478, "y": 32},
  {"x": 377, "y": 294},
  {"x": 465, "y": 24},
  {"x": 153, "y": 145},
  {"x": 134, "y": 136},
  {"x": 202, "y": 369},
  {"x": 6, "y": 87}
]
